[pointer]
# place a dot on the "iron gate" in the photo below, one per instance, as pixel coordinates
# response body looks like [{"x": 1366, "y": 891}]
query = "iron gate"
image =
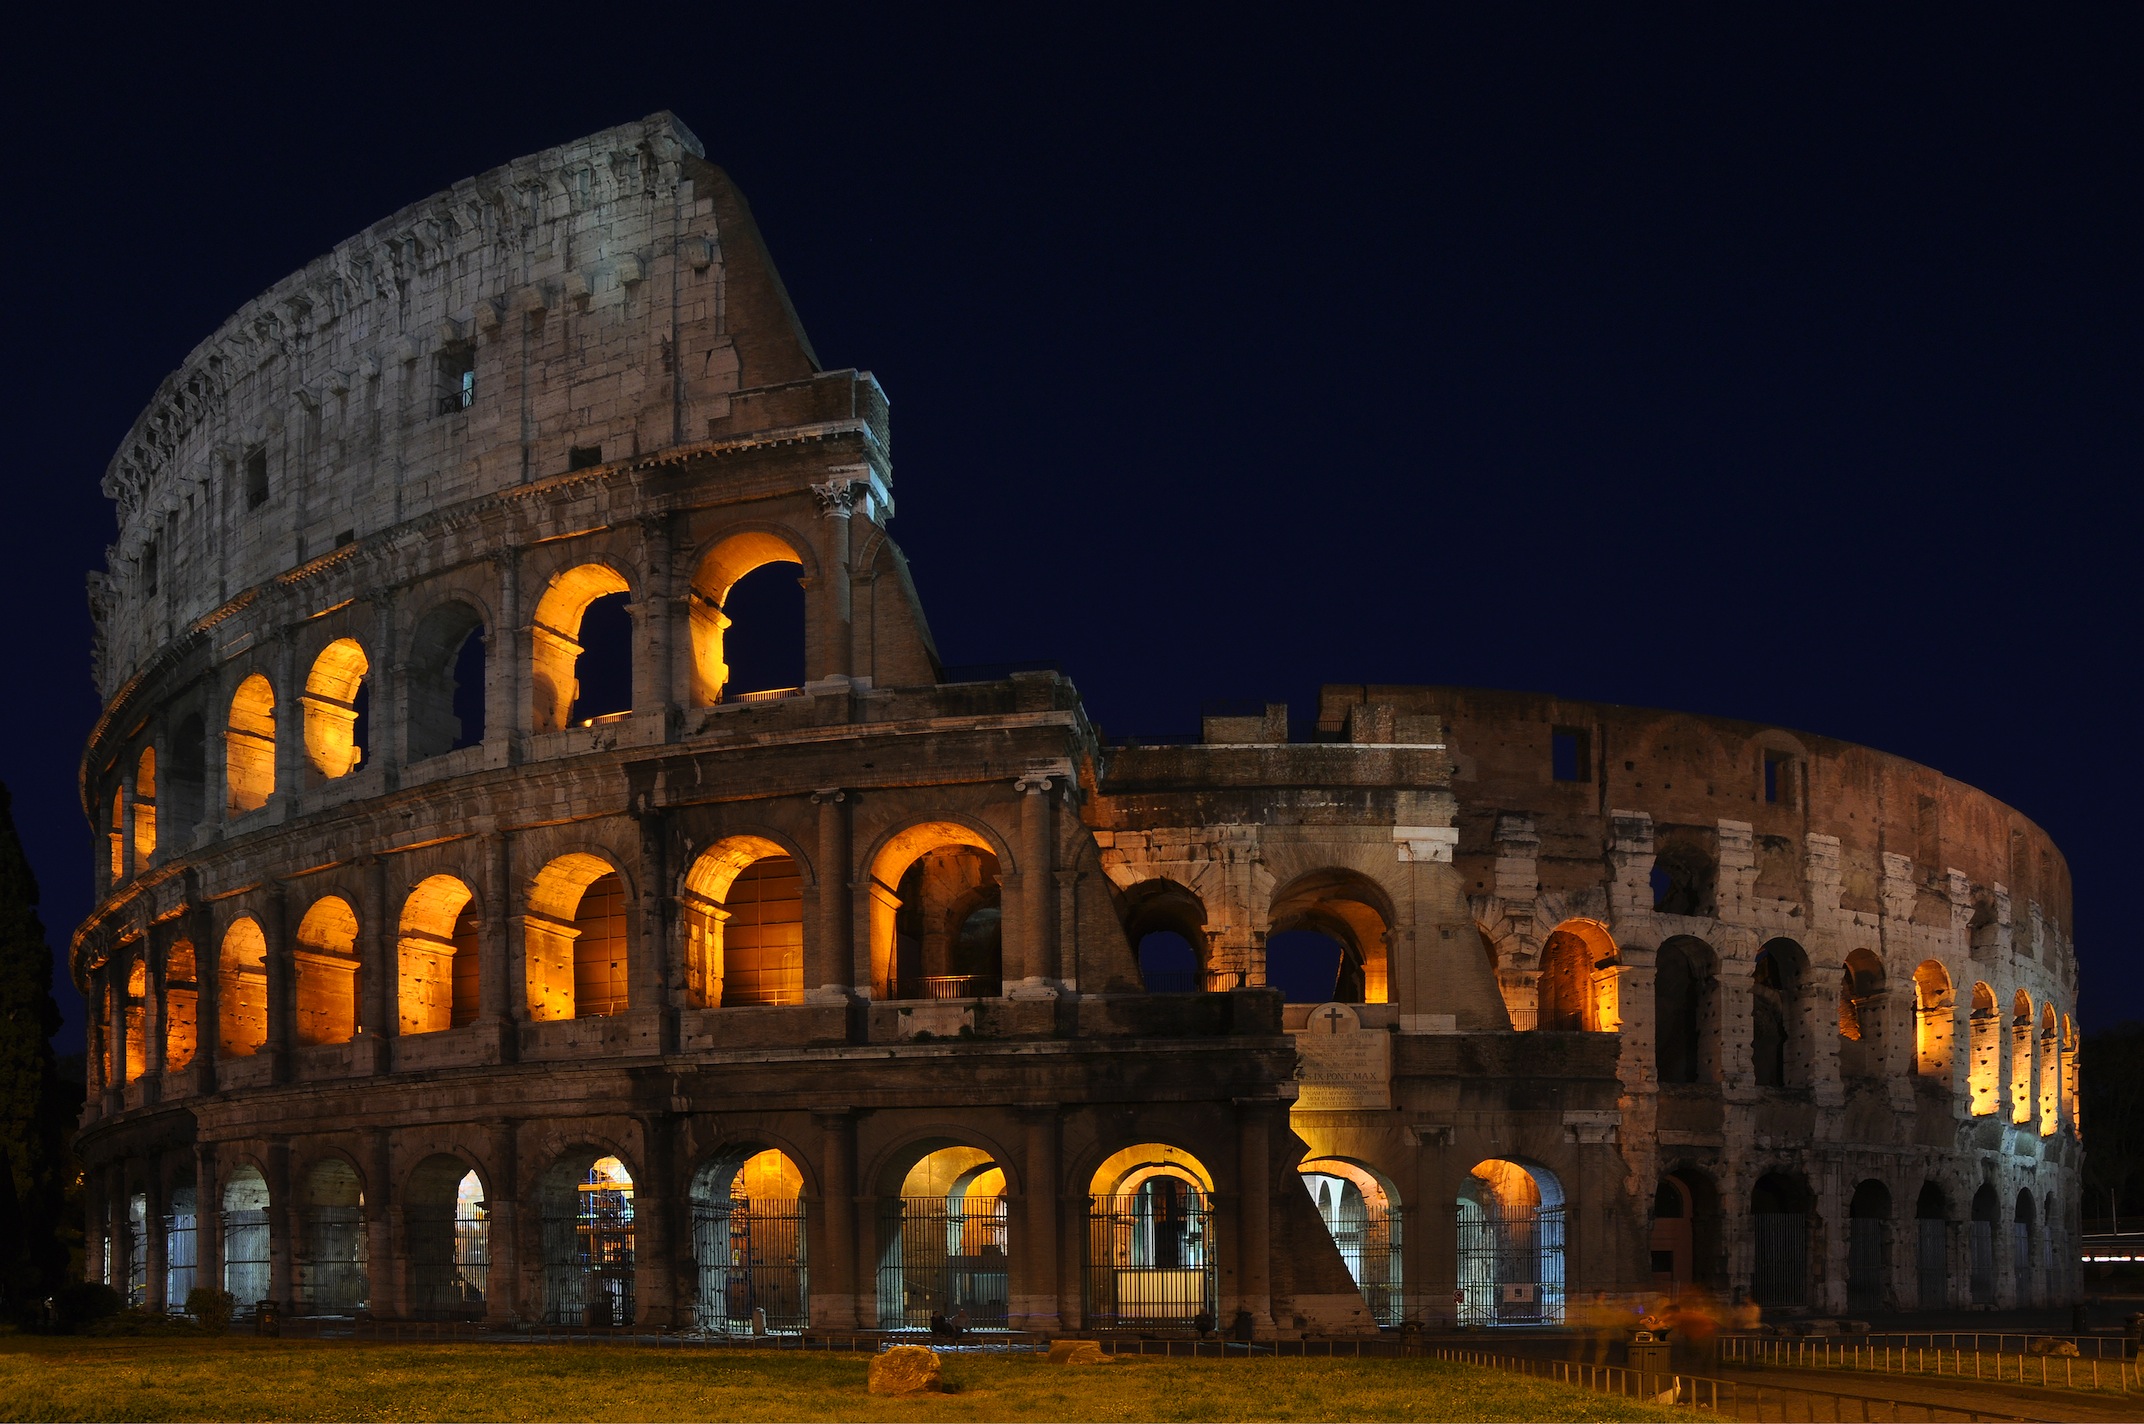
[
  {"x": 331, "y": 1272},
  {"x": 1983, "y": 1263},
  {"x": 245, "y": 1257},
  {"x": 588, "y": 1259},
  {"x": 1864, "y": 1263},
  {"x": 179, "y": 1258},
  {"x": 449, "y": 1262},
  {"x": 137, "y": 1250},
  {"x": 1150, "y": 1256},
  {"x": 937, "y": 1258},
  {"x": 751, "y": 1258},
  {"x": 1510, "y": 1265},
  {"x": 1934, "y": 1264},
  {"x": 1370, "y": 1245},
  {"x": 1782, "y": 1267}
]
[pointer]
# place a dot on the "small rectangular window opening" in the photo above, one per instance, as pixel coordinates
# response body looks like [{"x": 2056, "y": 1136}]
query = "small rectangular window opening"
[
  {"x": 583, "y": 457},
  {"x": 348, "y": 536},
  {"x": 256, "y": 478},
  {"x": 148, "y": 566},
  {"x": 1778, "y": 779},
  {"x": 457, "y": 378},
  {"x": 1571, "y": 754}
]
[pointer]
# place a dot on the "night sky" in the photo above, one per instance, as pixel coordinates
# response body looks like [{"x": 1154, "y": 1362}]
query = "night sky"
[{"x": 1780, "y": 362}]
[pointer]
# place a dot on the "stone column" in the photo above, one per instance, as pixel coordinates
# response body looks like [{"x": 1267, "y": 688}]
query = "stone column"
[
  {"x": 649, "y": 978},
  {"x": 283, "y": 1227},
  {"x": 657, "y": 1204},
  {"x": 115, "y": 1225},
  {"x": 379, "y": 973},
  {"x": 827, "y": 651},
  {"x": 156, "y": 954},
  {"x": 389, "y": 710},
  {"x": 291, "y": 763},
  {"x": 154, "y": 1241},
  {"x": 385, "y": 1286},
  {"x": 115, "y": 1028},
  {"x": 838, "y": 1285},
  {"x": 654, "y": 622},
  {"x": 281, "y": 969},
  {"x": 1254, "y": 1197},
  {"x": 501, "y": 994},
  {"x": 1035, "y": 1287},
  {"x": 208, "y": 995},
  {"x": 830, "y": 954},
  {"x": 215, "y": 763},
  {"x": 506, "y": 702},
  {"x": 1032, "y": 970},
  {"x": 208, "y": 1219},
  {"x": 502, "y": 1208}
]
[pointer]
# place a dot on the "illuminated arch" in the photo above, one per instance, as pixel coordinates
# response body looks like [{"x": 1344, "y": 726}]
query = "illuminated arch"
[
  {"x": 576, "y": 944},
  {"x": 1578, "y": 987},
  {"x": 1935, "y": 1019},
  {"x": 1165, "y": 925},
  {"x": 1152, "y": 1257},
  {"x": 249, "y": 746},
  {"x": 1351, "y": 910},
  {"x": 182, "y": 997},
  {"x": 437, "y": 953},
  {"x": 761, "y": 959},
  {"x": 1361, "y": 1211},
  {"x": 750, "y": 1243},
  {"x": 890, "y": 865},
  {"x": 446, "y": 1215},
  {"x": 718, "y": 572},
  {"x": 586, "y": 1207},
  {"x": 144, "y": 807},
  {"x": 554, "y": 637},
  {"x": 2021, "y": 1058},
  {"x": 2050, "y": 1061},
  {"x": 327, "y": 972},
  {"x": 1511, "y": 1231},
  {"x": 1861, "y": 1019},
  {"x": 1984, "y": 1066},
  {"x": 242, "y": 990},
  {"x": 331, "y": 711}
]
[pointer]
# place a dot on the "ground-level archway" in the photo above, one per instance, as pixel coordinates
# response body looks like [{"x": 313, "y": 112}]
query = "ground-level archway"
[
  {"x": 331, "y": 1240},
  {"x": 748, "y": 1242},
  {"x": 1150, "y": 1239},
  {"x": 1684, "y": 1243},
  {"x": 447, "y": 1228},
  {"x": 245, "y": 1237},
  {"x": 1361, "y": 1210},
  {"x": 1779, "y": 1209},
  {"x": 1868, "y": 1247},
  {"x": 586, "y": 1205},
  {"x": 944, "y": 1243},
  {"x": 1931, "y": 1259},
  {"x": 1511, "y": 1267}
]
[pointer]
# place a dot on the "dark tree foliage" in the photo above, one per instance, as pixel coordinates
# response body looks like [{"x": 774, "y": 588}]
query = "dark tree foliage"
[
  {"x": 2111, "y": 1121},
  {"x": 33, "y": 1255}
]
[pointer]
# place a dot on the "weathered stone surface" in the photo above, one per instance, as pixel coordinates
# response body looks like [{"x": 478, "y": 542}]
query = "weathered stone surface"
[
  {"x": 905, "y": 1369},
  {"x": 1078, "y": 1352}
]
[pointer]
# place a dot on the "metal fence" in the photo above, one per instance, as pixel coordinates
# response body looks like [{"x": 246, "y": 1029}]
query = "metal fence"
[
  {"x": 949, "y": 986},
  {"x": 750, "y": 1256},
  {"x": 1953, "y": 1362},
  {"x": 449, "y": 1262},
  {"x": 1865, "y": 1266},
  {"x": 1510, "y": 1265},
  {"x": 1150, "y": 1256},
  {"x": 331, "y": 1266},
  {"x": 588, "y": 1260},
  {"x": 940, "y": 1257},
  {"x": 245, "y": 1257},
  {"x": 181, "y": 1256},
  {"x": 1983, "y": 1282},
  {"x": 1932, "y": 1262},
  {"x": 1782, "y": 1267}
]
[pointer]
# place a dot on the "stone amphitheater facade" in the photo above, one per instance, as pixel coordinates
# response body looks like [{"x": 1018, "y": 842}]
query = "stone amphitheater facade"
[{"x": 424, "y": 985}]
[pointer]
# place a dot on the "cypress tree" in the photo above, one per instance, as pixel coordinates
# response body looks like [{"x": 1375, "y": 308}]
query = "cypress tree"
[{"x": 32, "y": 1129}]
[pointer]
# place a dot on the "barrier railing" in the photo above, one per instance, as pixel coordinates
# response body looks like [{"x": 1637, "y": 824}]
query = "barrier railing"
[
  {"x": 2015, "y": 1367},
  {"x": 1730, "y": 1399}
]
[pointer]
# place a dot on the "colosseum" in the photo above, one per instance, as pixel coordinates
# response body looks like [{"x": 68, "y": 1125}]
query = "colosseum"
[{"x": 547, "y": 875}]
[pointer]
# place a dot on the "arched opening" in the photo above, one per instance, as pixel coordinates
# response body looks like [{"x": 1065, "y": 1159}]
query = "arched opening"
[
  {"x": 137, "y": 1245},
  {"x": 1684, "y": 1011},
  {"x": 185, "y": 780},
  {"x": 586, "y": 1206},
  {"x": 331, "y": 1240},
  {"x": 1151, "y": 1257},
  {"x": 446, "y": 679},
  {"x": 1166, "y": 925},
  {"x": 743, "y": 908},
  {"x": 438, "y": 973},
  {"x": 1935, "y": 1018},
  {"x": 1327, "y": 939},
  {"x": 327, "y": 972},
  {"x": 116, "y": 837},
  {"x": 2021, "y": 1058},
  {"x": 136, "y": 1005},
  {"x": 937, "y": 930},
  {"x": 1931, "y": 1257},
  {"x": 245, "y": 1237},
  {"x": 1779, "y": 1208},
  {"x": 1510, "y": 1245},
  {"x": 748, "y": 1235},
  {"x": 1987, "y": 1214},
  {"x": 182, "y": 1251},
  {"x": 2069, "y": 1070},
  {"x": 2023, "y": 1258},
  {"x": 1685, "y": 1237},
  {"x": 747, "y": 613},
  {"x": 144, "y": 808},
  {"x": 448, "y": 1242},
  {"x": 575, "y": 933},
  {"x": 944, "y": 1244},
  {"x": 2050, "y": 1072},
  {"x": 335, "y": 709},
  {"x": 1861, "y": 1000},
  {"x": 581, "y": 649},
  {"x": 1868, "y": 1247},
  {"x": 242, "y": 991},
  {"x": 1576, "y": 992},
  {"x": 1776, "y": 1054},
  {"x": 1983, "y": 1069},
  {"x": 182, "y": 999},
  {"x": 1361, "y": 1211},
  {"x": 1683, "y": 879},
  {"x": 249, "y": 747}
]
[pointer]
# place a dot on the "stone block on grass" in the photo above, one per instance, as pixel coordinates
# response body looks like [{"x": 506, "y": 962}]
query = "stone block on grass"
[{"x": 905, "y": 1369}]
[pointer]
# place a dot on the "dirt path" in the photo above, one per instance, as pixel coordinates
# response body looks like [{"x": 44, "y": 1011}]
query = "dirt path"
[{"x": 2025, "y": 1401}]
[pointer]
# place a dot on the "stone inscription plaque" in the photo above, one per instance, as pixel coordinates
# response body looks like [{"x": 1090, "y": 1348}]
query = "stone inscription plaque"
[{"x": 1340, "y": 1065}]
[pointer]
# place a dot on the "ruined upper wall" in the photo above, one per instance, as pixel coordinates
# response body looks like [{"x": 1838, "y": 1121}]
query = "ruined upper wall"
[
  {"x": 609, "y": 296},
  {"x": 1692, "y": 772}
]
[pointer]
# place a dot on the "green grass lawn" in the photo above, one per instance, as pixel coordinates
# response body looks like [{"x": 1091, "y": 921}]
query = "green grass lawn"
[{"x": 237, "y": 1378}]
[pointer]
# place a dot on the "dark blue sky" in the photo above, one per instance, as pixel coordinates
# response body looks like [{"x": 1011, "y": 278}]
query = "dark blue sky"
[{"x": 1778, "y": 362}]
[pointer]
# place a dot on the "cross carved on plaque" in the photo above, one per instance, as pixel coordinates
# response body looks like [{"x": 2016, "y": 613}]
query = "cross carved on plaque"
[{"x": 1332, "y": 1017}]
